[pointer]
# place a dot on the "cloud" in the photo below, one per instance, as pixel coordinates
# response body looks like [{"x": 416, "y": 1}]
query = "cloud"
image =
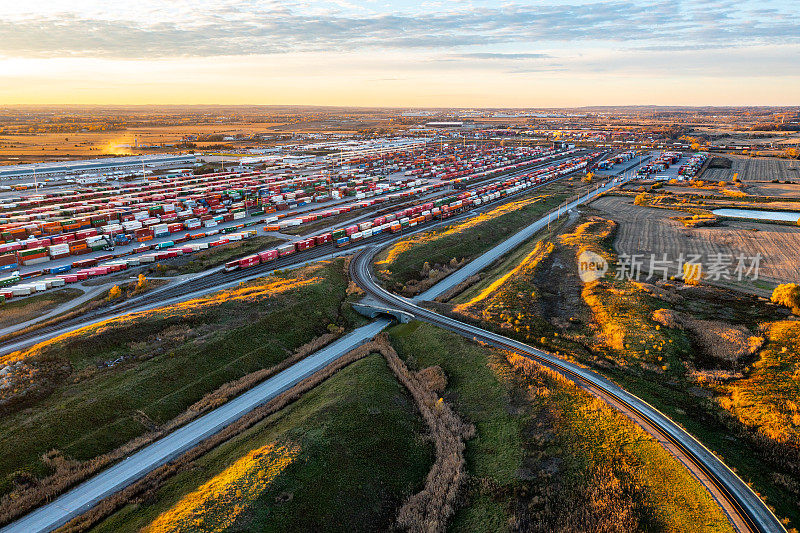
[
  {"x": 253, "y": 28},
  {"x": 501, "y": 56}
]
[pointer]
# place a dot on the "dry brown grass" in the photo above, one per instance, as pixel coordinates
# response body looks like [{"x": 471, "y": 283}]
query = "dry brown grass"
[
  {"x": 718, "y": 339},
  {"x": 430, "y": 276},
  {"x": 429, "y": 509}
]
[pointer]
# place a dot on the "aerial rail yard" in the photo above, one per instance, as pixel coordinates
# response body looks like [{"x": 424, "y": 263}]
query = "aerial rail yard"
[
  {"x": 409, "y": 219},
  {"x": 748, "y": 512},
  {"x": 113, "y": 229}
]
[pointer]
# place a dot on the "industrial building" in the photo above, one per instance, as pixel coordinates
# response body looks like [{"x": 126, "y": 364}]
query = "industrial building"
[{"x": 96, "y": 166}]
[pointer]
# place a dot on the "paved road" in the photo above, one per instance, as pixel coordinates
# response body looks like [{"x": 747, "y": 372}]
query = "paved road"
[
  {"x": 482, "y": 261},
  {"x": 745, "y": 509},
  {"x": 86, "y": 495},
  {"x": 197, "y": 285}
]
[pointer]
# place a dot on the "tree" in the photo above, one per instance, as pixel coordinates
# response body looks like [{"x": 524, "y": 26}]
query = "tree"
[
  {"x": 141, "y": 284},
  {"x": 696, "y": 146},
  {"x": 692, "y": 273},
  {"x": 787, "y": 294},
  {"x": 114, "y": 293},
  {"x": 641, "y": 199}
]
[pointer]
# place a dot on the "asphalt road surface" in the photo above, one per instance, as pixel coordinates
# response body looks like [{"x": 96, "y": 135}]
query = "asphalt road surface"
[
  {"x": 744, "y": 508},
  {"x": 87, "y": 494}
]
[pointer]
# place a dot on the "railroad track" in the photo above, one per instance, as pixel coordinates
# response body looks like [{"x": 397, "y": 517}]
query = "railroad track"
[
  {"x": 745, "y": 509},
  {"x": 219, "y": 278}
]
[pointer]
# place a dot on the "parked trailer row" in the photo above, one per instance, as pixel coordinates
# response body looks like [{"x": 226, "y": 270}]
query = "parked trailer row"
[{"x": 419, "y": 214}]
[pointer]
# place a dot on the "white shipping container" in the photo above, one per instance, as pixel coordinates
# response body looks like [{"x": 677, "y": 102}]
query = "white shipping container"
[
  {"x": 55, "y": 282},
  {"x": 57, "y": 249},
  {"x": 20, "y": 290}
]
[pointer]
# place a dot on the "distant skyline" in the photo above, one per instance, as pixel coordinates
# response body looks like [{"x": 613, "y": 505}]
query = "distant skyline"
[{"x": 400, "y": 53}]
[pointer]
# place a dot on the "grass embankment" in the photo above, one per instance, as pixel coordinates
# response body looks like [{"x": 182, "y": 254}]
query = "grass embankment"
[
  {"x": 548, "y": 456},
  {"x": 343, "y": 457},
  {"x": 413, "y": 264},
  {"x": 214, "y": 257},
  {"x": 17, "y": 311},
  {"x": 90, "y": 391},
  {"x": 693, "y": 352},
  {"x": 126, "y": 290}
]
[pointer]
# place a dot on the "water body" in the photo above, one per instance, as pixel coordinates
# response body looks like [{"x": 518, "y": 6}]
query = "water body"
[{"x": 783, "y": 216}]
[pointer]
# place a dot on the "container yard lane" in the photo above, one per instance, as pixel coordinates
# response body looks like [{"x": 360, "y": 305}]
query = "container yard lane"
[{"x": 64, "y": 236}]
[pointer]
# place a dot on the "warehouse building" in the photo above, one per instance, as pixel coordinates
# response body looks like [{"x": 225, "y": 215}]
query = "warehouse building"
[{"x": 99, "y": 166}]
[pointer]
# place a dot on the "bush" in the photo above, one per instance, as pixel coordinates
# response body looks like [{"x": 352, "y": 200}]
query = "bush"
[
  {"x": 114, "y": 293},
  {"x": 787, "y": 294},
  {"x": 141, "y": 284},
  {"x": 641, "y": 199}
]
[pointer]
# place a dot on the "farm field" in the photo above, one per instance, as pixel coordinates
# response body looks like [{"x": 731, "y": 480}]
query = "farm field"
[
  {"x": 721, "y": 363},
  {"x": 89, "y": 392},
  {"x": 15, "y": 149},
  {"x": 543, "y": 446},
  {"x": 403, "y": 265},
  {"x": 645, "y": 230},
  {"x": 755, "y": 170},
  {"x": 344, "y": 456},
  {"x": 778, "y": 190}
]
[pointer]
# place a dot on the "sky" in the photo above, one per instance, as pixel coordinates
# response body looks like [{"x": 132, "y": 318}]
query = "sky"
[{"x": 400, "y": 53}]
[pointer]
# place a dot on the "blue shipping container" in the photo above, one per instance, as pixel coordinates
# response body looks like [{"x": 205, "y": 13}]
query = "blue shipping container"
[
  {"x": 60, "y": 269},
  {"x": 10, "y": 266}
]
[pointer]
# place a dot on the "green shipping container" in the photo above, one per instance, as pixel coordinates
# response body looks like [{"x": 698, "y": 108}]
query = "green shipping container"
[{"x": 31, "y": 251}]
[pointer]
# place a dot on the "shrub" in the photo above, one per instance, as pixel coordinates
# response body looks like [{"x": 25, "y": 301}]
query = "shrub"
[
  {"x": 114, "y": 293},
  {"x": 692, "y": 273},
  {"x": 787, "y": 294},
  {"x": 641, "y": 199},
  {"x": 141, "y": 284}
]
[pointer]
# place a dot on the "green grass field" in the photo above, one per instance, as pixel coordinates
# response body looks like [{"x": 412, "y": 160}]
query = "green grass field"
[
  {"x": 548, "y": 456},
  {"x": 407, "y": 257},
  {"x": 361, "y": 454},
  {"x": 18, "y": 311},
  {"x": 94, "y": 390}
]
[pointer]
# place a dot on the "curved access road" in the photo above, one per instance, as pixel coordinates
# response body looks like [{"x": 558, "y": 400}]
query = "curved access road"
[{"x": 745, "y": 509}]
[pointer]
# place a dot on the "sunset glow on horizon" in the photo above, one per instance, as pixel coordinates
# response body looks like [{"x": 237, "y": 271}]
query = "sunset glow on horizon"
[{"x": 460, "y": 54}]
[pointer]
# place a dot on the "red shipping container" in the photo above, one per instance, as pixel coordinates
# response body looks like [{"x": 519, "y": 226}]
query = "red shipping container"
[{"x": 268, "y": 255}]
